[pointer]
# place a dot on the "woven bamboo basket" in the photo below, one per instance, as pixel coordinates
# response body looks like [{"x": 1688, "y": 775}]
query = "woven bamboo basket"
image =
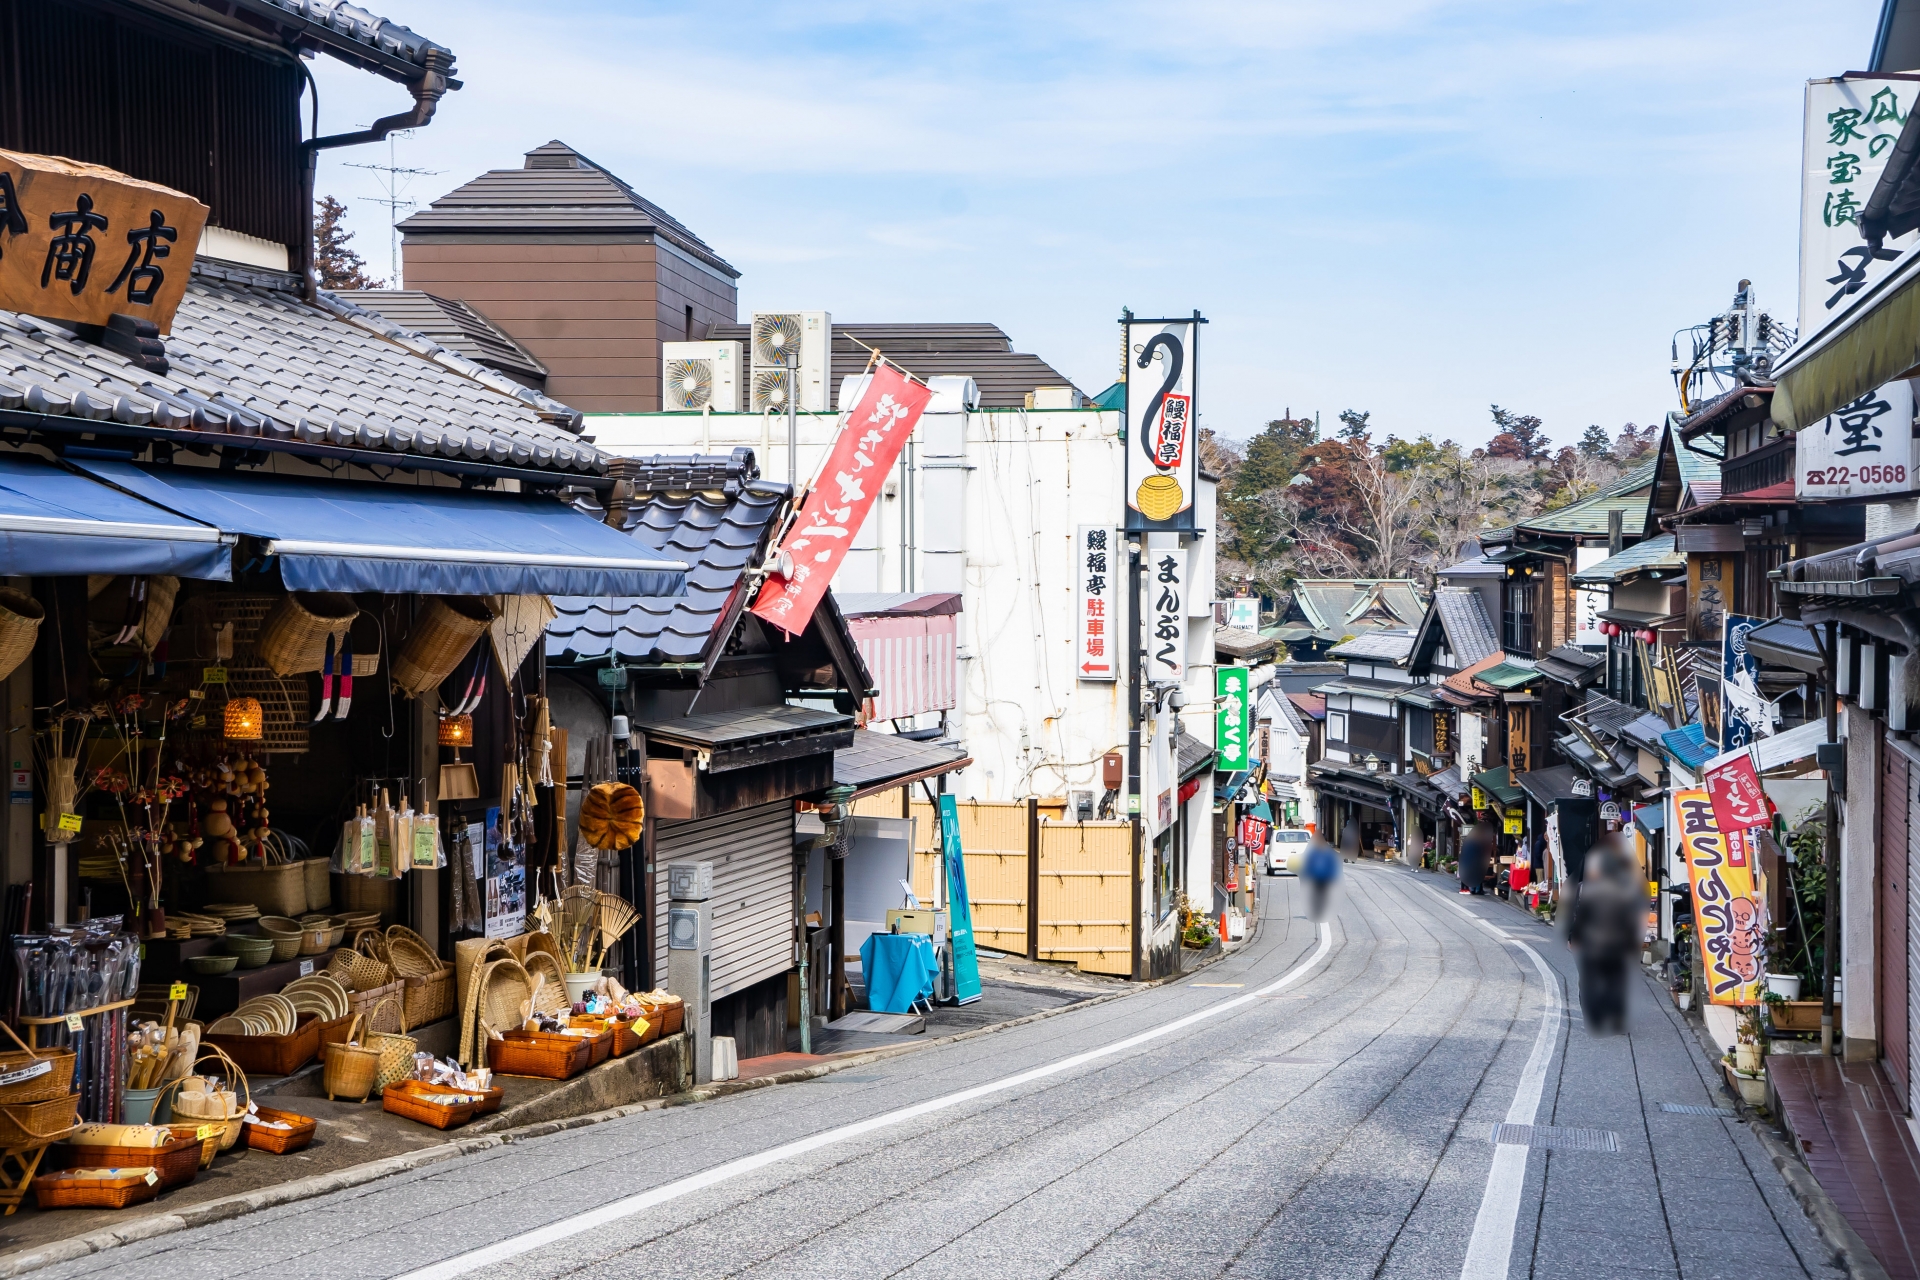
[
  {"x": 293, "y": 636},
  {"x": 551, "y": 997},
  {"x": 177, "y": 1162},
  {"x": 20, "y": 618},
  {"x": 185, "y": 1108},
  {"x": 396, "y": 1050},
  {"x": 497, "y": 994},
  {"x": 413, "y": 1100},
  {"x": 32, "y": 1124},
  {"x": 410, "y": 955},
  {"x": 281, "y": 1141},
  {"x": 443, "y": 633},
  {"x": 76, "y": 1190},
  {"x": 357, "y": 972},
  {"x": 382, "y": 1007},
  {"x": 350, "y": 1069},
  {"x": 32, "y": 1082},
  {"x": 317, "y": 873}
]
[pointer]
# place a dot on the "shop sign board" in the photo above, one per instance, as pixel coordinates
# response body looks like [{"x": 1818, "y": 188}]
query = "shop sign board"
[
  {"x": 1745, "y": 713},
  {"x": 1587, "y": 601},
  {"x": 966, "y": 961},
  {"x": 1708, "y": 580},
  {"x": 84, "y": 243},
  {"x": 1852, "y": 124},
  {"x": 1739, "y": 802},
  {"x": 1232, "y": 717},
  {"x": 1861, "y": 449},
  {"x": 1163, "y": 454},
  {"x": 844, "y": 491},
  {"x": 1164, "y": 612},
  {"x": 1729, "y": 916},
  {"x": 1513, "y": 822},
  {"x": 1244, "y": 612},
  {"x": 1098, "y": 570}
]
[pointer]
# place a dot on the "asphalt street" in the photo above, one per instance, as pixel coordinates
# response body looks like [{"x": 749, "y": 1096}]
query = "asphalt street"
[{"x": 1319, "y": 1103}]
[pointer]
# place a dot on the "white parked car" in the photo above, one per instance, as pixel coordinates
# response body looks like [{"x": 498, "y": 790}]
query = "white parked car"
[{"x": 1287, "y": 851}]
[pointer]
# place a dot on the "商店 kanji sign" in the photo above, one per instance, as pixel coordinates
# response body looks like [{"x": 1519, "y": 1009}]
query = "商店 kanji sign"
[
  {"x": 817, "y": 541},
  {"x": 83, "y": 243},
  {"x": 1097, "y": 564}
]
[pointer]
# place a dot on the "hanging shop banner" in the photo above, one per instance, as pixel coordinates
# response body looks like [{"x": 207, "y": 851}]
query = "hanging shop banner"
[
  {"x": 966, "y": 962},
  {"x": 1253, "y": 835},
  {"x": 1745, "y": 713},
  {"x": 85, "y": 243},
  {"x": 1739, "y": 803},
  {"x": 1861, "y": 449},
  {"x": 1729, "y": 916},
  {"x": 1852, "y": 124},
  {"x": 1232, "y": 717},
  {"x": 1099, "y": 568},
  {"x": 1513, "y": 822},
  {"x": 1588, "y": 602},
  {"x": 1163, "y": 455},
  {"x": 863, "y": 454},
  {"x": 1163, "y": 615}
]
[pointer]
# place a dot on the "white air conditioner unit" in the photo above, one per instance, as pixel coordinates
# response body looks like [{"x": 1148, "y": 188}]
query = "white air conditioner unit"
[
  {"x": 700, "y": 375},
  {"x": 773, "y": 335}
]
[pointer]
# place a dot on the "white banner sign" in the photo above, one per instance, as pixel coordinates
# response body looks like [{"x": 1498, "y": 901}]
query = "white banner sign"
[
  {"x": 1851, "y": 127},
  {"x": 1861, "y": 449},
  {"x": 1164, "y": 609},
  {"x": 1588, "y": 603},
  {"x": 1163, "y": 453},
  {"x": 1099, "y": 569}
]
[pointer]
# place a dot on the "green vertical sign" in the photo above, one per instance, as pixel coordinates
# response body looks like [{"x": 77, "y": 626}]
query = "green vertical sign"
[
  {"x": 1232, "y": 717},
  {"x": 966, "y": 962}
]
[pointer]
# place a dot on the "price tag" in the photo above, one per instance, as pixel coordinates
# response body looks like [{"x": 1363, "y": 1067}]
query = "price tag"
[
  {"x": 178, "y": 991},
  {"x": 152, "y": 1177},
  {"x": 206, "y": 1131},
  {"x": 306, "y": 968},
  {"x": 213, "y": 675},
  {"x": 69, "y": 822},
  {"x": 73, "y": 1022}
]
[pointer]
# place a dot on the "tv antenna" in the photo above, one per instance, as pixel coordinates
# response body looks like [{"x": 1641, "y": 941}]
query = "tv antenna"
[{"x": 396, "y": 179}]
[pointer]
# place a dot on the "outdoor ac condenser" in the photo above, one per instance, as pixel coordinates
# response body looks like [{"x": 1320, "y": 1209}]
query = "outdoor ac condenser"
[
  {"x": 771, "y": 337},
  {"x": 700, "y": 375}
]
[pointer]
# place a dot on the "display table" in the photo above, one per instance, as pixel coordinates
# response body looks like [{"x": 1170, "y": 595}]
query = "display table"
[{"x": 900, "y": 969}]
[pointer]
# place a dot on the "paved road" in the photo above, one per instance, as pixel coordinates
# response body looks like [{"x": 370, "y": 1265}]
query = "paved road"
[{"x": 1317, "y": 1104}]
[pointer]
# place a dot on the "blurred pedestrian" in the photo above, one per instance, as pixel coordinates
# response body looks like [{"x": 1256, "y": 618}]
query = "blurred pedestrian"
[
  {"x": 1604, "y": 925},
  {"x": 1320, "y": 870},
  {"x": 1476, "y": 854},
  {"x": 1350, "y": 842}
]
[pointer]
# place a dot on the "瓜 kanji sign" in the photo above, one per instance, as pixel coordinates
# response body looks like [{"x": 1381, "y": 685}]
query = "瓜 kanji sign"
[
  {"x": 1739, "y": 803},
  {"x": 1097, "y": 565},
  {"x": 868, "y": 445},
  {"x": 1852, "y": 125},
  {"x": 83, "y": 243},
  {"x": 1232, "y": 713},
  {"x": 1730, "y": 919}
]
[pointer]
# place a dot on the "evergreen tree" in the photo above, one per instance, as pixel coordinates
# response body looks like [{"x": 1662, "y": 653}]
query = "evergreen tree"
[
  {"x": 1520, "y": 437},
  {"x": 1353, "y": 424},
  {"x": 335, "y": 262},
  {"x": 1596, "y": 443}
]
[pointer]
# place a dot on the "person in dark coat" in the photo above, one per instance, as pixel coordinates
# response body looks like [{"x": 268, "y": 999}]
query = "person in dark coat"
[
  {"x": 1604, "y": 926},
  {"x": 1476, "y": 855}
]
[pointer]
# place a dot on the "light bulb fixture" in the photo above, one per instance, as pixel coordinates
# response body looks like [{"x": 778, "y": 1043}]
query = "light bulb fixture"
[
  {"x": 244, "y": 720},
  {"x": 456, "y": 731}
]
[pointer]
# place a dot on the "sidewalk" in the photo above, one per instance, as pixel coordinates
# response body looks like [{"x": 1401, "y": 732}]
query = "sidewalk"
[{"x": 1844, "y": 1122}]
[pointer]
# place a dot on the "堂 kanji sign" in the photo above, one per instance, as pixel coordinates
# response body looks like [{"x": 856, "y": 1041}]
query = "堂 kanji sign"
[
  {"x": 849, "y": 481},
  {"x": 83, "y": 243}
]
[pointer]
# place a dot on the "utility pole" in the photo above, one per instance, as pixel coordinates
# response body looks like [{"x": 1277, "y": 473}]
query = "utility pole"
[{"x": 394, "y": 173}]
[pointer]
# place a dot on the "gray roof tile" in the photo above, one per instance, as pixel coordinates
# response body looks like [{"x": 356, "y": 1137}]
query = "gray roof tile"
[{"x": 1469, "y": 631}]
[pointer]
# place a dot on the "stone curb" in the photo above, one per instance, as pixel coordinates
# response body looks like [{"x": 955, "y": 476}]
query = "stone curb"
[
  {"x": 1839, "y": 1235},
  {"x": 228, "y": 1208}
]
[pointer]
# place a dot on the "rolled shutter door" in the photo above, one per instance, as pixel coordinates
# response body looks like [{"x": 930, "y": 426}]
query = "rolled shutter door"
[{"x": 753, "y": 913}]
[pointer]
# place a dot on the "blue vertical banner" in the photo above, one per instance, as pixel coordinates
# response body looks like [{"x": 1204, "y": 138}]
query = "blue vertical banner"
[
  {"x": 966, "y": 963},
  {"x": 1745, "y": 712}
]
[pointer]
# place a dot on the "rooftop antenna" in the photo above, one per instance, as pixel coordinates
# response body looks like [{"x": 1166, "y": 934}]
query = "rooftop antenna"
[{"x": 395, "y": 205}]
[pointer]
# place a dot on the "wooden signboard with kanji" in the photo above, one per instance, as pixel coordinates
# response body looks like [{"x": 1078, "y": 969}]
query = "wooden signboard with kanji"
[{"x": 81, "y": 242}]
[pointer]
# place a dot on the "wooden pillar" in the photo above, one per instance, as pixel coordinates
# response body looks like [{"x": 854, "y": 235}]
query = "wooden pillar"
[{"x": 838, "y": 997}]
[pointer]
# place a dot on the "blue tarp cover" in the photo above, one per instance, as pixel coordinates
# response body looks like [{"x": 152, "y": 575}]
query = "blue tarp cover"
[
  {"x": 899, "y": 968},
  {"x": 55, "y": 522},
  {"x": 339, "y": 535}
]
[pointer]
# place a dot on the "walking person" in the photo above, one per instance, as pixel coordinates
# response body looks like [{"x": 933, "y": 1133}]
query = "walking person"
[
  {"x": 1320, "y": 870},
  {"x": 1350, "y": 842},
  {"x": 1476, "y": 853},
  {"x": 1604, "y": 926}
]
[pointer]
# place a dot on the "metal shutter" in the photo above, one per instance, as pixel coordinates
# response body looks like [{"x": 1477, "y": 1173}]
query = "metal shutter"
[
  {"x": 753, "y": 912},
  {"x": 1913, "y": 940},
  {"x": 1896, "y": 796}
]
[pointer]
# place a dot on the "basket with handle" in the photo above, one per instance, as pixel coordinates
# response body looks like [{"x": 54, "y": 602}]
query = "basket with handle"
[
  {"x": 357, "y": 971},
  {"x": 396, "y": 1050},
  {"x": 20, "y": 618},
  {"x": 293, "y": 636},
  {"x": 444, "y": 632},
  {"x": 34, "y": 1124},
  {"x": 428, "y": 999},
  {"x": 184, "y": 1108},
  {"x": 33, "y": 1075},
  {"x": 350, "y": 1068},
  {"x": 409, "y": 953}
]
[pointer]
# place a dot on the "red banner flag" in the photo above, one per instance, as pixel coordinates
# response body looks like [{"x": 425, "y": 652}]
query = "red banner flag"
[
  {"x": 833, "y": 512},
  {"x": 1738, "y": 800}
]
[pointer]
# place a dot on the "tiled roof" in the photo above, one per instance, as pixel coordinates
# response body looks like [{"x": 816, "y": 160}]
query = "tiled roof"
[
  {"x": 1628, "y": 495},
  {"x": 1311, "y": 705},
  {"x": 1386, "y": 646},
  {"x": 1570, "y": 664},
  {"x": 1495, "y": 782},
  {"x": 971, "y": 349},
  {"x": 1190, "y": 754},
  {"x": 718, "y": 530},
  {"x": 1688, "y": 744},
  {"x": 1236, "y": 642},
  {"x": 1478, "y": 567},
  {"x": 1607, "y": 715},
  {"x": 1462, "y": 615},
  {"x": 1275, "y": 704},
  {"x": 1334, "y": 604},
  {"x": 454, "y": 325},
  {"x": 876, "y": 760},
  {"x": 1654, "y": 553},
  {"x": 1465, "y": 683},
  {"x": 248, "y": 357},
  {"x": 555, "y": 190},
  {"x": 347, "y": 28}
]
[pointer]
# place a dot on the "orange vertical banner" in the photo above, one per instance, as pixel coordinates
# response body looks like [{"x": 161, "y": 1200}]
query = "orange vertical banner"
[{"x": 1729, "y": 917}]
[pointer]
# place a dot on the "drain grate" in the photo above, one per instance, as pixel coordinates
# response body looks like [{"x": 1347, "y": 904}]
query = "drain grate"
[
  {"x": 1555, "y": 1139},
  {"x": 1688, "y": 1109}
]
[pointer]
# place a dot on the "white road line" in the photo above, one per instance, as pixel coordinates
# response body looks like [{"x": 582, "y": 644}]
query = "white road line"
[
  {"x": 594, "y": 1219},
  {"x": 1490, "y": 1251}
]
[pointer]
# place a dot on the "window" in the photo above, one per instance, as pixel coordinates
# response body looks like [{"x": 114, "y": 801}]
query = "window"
[
  {"x": 1420, "y": 729},
  {"x": 1517, "y": 634},
  {"x": 1337, "y": 726}
]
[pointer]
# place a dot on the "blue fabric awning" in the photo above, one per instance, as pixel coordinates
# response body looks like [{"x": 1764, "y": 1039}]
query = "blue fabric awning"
[
  {"x": 55, "y": 522},
  {"x": 339, "y": 535}
]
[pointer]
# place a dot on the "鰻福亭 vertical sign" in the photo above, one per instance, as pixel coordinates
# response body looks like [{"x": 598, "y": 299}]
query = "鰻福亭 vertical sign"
[
  {"x": 1163, "y": 609},
  {"x": 84, "y": 243},
  {"x": 1097, "y": 567},
  {"x": 1232, "y": 717},
  {"x": 1729, "y": 917},
  {"x": 863, "y": 453},
  {"x": 1162, "y": 472}
]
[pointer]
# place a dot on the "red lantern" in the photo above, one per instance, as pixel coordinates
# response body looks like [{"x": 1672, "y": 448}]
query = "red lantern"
[{"x": 1649, "y": 637}]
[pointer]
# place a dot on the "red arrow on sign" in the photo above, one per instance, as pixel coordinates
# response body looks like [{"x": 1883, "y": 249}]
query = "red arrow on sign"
[{"x": 1088, "y": 666}]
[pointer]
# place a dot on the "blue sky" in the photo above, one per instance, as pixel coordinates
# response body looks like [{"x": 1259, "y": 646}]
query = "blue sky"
[{"x": 1412, "y": 207}]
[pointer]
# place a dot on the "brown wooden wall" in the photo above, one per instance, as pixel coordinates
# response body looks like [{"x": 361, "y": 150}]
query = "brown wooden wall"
[{"x": 594, "y": 311}]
